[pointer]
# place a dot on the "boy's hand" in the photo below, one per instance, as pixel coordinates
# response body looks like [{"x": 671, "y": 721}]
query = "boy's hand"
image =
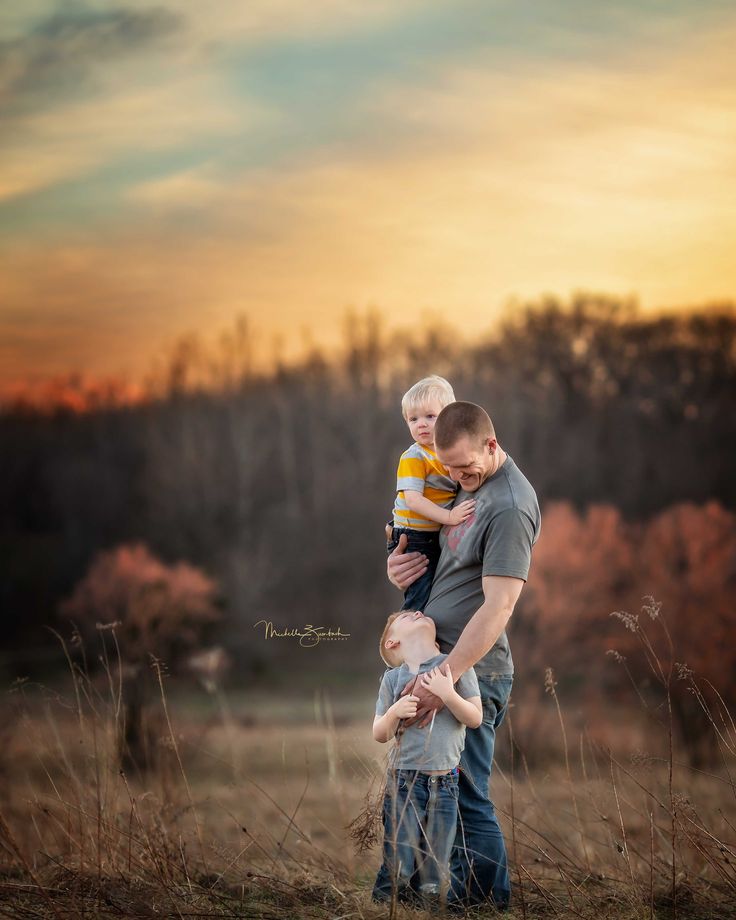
[
  {"x": 405, "y": 707},
  {"x": 461, "y": 512},
  {"x": 439, "y": 681},
  {"x": 428, "y": 703}
]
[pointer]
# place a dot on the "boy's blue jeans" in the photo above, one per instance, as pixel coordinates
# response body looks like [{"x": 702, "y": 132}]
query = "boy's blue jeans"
[
  {"x": 419, "y": 827},
  {"x": 420, "y": 541},
  {"x": 478, "y": 865}
]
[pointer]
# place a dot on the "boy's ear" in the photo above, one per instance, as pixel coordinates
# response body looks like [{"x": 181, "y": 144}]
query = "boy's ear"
[{"x": 390, "y": 643}]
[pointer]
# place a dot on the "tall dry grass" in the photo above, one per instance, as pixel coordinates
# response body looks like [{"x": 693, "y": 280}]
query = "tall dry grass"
[{"x": 249, "y": 809}]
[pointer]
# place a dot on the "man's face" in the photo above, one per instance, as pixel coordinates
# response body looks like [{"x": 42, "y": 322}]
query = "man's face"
[{"x": 468, "y": 462}]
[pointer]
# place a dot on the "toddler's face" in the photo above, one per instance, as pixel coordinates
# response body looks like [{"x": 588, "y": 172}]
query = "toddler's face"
[
  {"x": 409, "y": 622},
  {"x": 421, "y": 419}
]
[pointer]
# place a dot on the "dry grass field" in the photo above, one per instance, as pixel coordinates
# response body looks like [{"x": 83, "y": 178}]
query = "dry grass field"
[{"x": 247, "y": 813}]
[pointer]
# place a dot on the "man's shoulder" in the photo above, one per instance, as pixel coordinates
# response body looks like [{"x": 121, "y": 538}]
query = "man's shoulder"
[{"x": 509, "y": 489}]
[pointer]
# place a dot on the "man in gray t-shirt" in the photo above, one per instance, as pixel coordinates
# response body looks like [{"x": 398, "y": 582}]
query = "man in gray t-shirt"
[
  {"x": 483, "y": 565},
  {"x": 494, "y": 542}
]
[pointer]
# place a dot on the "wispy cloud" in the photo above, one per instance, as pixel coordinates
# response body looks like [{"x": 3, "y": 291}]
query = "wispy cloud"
[{"x": 59, "y": 55}]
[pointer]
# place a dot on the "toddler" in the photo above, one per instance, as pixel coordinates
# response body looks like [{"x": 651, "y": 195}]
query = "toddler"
[
  {"x": 424, "y": 491},
  {"x": 420, "y": 802}
]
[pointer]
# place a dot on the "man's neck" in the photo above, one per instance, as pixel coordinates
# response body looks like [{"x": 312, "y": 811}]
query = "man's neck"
[{"x": 499, "y": 458}]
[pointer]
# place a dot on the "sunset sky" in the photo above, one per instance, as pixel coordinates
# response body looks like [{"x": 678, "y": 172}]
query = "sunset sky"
[{"x": 168, "y": 167}]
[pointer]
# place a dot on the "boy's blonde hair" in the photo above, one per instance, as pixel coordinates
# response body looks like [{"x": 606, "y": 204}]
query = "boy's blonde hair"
[
  {"x": 433, "y": 387},
  {"x": 391, "y": 656}
]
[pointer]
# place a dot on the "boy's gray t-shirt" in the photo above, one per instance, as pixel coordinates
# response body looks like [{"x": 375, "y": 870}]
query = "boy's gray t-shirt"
[
  {"x": 432, "y": 748},
  {"x": 496, "y": 540}
]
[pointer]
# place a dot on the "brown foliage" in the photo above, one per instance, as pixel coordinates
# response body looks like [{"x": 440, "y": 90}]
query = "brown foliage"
[
  {"x": 588, "y": 565},
  {"x": 159, "y": 609},
  {"x": 155, "y": 611}
]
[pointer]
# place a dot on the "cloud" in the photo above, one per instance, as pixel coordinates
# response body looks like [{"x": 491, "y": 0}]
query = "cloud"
[
  {"x": 146, "y": 125},
  {"x": 57, "y": 57}
]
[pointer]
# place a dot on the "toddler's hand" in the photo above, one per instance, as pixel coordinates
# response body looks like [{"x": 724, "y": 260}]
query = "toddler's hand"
[
  {"x": 440, "y": 684},
  {"x": 461, "y": 512},
  {"x": 406, "y": 706}
]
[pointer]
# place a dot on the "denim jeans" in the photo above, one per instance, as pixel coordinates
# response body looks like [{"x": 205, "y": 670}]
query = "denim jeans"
[
  {"x": 427, "y": 542},
  {"x": 419, "y": 828},
  {"x": 478, "y": 865}
]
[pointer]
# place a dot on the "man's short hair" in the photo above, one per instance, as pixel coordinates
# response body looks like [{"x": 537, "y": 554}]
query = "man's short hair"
[
  {"x": 424, "y": 390},
  {"x": 391, "y": 656},
  {"x": 460, "y": 419}
]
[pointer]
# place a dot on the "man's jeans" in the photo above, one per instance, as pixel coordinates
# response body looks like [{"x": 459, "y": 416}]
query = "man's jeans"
[
  {"x": 420, "y": 541},
  {"x": 478, "y": 866},
  {"x": 419, "y": 828}
]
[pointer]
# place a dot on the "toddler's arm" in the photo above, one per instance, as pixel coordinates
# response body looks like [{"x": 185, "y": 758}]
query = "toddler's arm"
[
  {"x": 384, "y": 727},
  {"x": 468, "y": 711},
  {"x": 417, "y": 502}
]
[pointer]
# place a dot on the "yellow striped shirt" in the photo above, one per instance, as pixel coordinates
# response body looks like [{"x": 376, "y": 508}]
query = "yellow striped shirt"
[{"x": 420, "y": 471}]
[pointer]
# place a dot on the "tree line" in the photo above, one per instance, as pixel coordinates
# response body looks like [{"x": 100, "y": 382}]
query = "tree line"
[{"x": 277, "y": 486}]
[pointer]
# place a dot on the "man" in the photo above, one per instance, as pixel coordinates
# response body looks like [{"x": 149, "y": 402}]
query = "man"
[{"x": 483, "y": 566}]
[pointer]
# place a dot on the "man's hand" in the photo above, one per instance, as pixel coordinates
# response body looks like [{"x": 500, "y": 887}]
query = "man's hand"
[
  {"x": 404, "y": 568},
  {"x": 428, "y": 702}
]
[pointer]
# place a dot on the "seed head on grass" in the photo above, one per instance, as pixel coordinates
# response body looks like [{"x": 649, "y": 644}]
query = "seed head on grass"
[
  {"x": 683, "y": 671},
  {"x": 630, "y": 620},
  {"x": 651, "y": 607},
  {"x": 365, "y": 828},
  {"x": 642, "y": 759}
]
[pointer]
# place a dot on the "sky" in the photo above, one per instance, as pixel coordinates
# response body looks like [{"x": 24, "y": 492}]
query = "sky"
[{"x": 169, "y": 168}]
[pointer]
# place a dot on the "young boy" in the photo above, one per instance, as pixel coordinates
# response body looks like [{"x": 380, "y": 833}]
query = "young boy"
[
  {"x": 420, "y": 803},
  {"x": 424, "y": 491}
]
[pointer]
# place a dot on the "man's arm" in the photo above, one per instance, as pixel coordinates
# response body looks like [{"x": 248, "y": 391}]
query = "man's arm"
[
  {"x": 478, "y": 637},
  {"x": 487, "y": 623}
]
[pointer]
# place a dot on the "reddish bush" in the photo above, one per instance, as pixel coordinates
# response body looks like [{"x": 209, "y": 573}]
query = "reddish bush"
[
  {"x": 154, "y": 610},
  {"x": 587, "y": 566}
]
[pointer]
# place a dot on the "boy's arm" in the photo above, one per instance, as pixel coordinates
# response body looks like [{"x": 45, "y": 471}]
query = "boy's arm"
[
  {"x": 468, "y": 711},
  {"x": 388, "y": 712},
  {"x": 417, "y": 502},
  {"x": 384, "y": 727},
  {"x": 411, "y": 477}
]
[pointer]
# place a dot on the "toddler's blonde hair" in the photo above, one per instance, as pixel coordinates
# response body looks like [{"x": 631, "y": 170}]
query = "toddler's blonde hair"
[{"x": 433, "y": 387}]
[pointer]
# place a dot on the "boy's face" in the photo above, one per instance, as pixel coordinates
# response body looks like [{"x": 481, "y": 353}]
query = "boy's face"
[
  {"x": 421, "y": 419},
  {"x": 408, "y": 623}
]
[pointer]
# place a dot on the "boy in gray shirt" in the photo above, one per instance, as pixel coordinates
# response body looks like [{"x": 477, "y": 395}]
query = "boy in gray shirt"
[{"x": 420, "y": 803}]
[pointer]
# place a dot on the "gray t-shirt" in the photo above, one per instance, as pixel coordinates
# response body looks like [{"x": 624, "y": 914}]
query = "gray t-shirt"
[
  {"x": 496, "y": 540},
  {"x": 438, "y": 746}
]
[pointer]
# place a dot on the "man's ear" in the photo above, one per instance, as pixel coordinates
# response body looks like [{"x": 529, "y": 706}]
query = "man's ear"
[{"x": 491, "y": 444}]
